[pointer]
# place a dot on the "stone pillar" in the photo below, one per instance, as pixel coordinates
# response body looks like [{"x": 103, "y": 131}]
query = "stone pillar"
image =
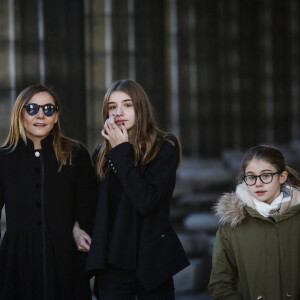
[
  {"x": 282, "y": 70},
  {"x": 230, "y": 66},
  {"x": 172, "y": 66},
  {"x": 209, "y": 68},
  {"x": 64, "y": 61},
  {"x": 267, "y": 49},
  {"x": 295, "y": 74},
  {"x": 251, "y": 74},
  {"x": 150, "y": 56},
  {"x": 5, "y": 41}
]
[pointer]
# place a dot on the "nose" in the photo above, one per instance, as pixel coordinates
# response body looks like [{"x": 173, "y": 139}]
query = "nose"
[
  {"x": 40, "y": 113},
  {"x": 119, "y": 111},
  {"x": 258, "y": 182}
]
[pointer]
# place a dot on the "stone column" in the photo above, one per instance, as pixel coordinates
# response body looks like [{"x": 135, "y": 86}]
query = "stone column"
[
  {"x": 150, "y": 56},
  {"x": 295, "y": 74},
  {"x": 172, "y": 64},
  {"x": 6, "y": 41},
  {"x": 64, "y": 60}
]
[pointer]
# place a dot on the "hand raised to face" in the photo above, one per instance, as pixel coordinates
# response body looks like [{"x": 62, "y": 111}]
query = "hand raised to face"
[{"x": 115, "y": 134}]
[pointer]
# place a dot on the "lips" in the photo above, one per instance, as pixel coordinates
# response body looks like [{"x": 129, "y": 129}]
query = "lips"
[
  {"x": 120, "y": 121},
  {"x": 39, "y": 124},
  {"x": 260, "y": 193}
]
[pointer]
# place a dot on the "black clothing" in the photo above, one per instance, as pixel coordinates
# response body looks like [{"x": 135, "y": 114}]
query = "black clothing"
[
  {"x": 142, "y": 238},
  {"x": 38, "y": 256},
  {"x": 115, "y": 190},
  {"x": 116, "y": 284}
]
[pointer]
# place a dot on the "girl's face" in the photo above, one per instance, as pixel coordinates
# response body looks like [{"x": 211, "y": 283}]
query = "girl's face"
[
  {"x": 120, "y": 105},
  {"x": 38, "y": 126},
  {"x": 265, "y": 192}
]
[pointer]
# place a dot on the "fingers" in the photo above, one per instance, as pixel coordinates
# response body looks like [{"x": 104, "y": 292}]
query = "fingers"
[
  {"x": 84, "y": 243},
  {"x": 124, "y": 129},
  {"x": 104, "y": 134},
  {"x": 114, "y": 133},
  {"x": 110, "y": 123},
  {"x": 87, "y": 239}
]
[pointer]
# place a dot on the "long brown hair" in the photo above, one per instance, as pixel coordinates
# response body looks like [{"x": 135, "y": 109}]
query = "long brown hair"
[
  {"x": 145, "y": 136},
  {"x": 273, "y": 156},
  {"x": 62, "y": 145}
]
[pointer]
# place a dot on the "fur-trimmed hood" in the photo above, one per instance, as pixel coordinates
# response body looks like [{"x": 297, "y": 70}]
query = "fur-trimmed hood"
[{"x": 230, "y": 207}]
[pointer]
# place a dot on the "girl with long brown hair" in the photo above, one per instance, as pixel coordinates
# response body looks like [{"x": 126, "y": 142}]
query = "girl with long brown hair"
[{"x": 134, "y": 251}]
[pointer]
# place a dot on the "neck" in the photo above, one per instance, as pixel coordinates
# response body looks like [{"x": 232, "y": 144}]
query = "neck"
[{"x": 37, "y": 145}]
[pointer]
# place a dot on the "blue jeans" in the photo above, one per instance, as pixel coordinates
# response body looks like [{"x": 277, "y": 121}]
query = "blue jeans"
[{"x": 116, "y": 284}]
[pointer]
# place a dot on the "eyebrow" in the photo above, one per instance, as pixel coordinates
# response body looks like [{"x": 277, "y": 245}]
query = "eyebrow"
[
  {"x": 262, "y": 171},
  {"x": 126, "y": 100}
]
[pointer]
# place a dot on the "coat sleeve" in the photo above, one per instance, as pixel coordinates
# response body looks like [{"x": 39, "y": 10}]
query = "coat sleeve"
[
  {"x": 145, "y": 192},
  {"x": 85, "y": 189},
  {"x": 223, "y": 277}
]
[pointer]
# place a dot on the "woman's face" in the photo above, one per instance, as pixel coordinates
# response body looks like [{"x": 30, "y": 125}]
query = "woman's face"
[
  {"x": 39, "y": 126},
  {"x": 120, "y": 105},
  {"x": 262, "y": 191}
]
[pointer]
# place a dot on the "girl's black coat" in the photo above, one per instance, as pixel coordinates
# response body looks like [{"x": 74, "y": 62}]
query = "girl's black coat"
[
  {"x": 142, "y": 238},
  {"x": 38, "y": 256}
]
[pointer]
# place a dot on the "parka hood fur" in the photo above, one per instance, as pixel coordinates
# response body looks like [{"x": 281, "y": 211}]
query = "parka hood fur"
[{"x": 230, "y": 207}]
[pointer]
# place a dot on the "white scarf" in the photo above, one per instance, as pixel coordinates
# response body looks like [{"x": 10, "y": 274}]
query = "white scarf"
[{"x": 266, "y": 209}]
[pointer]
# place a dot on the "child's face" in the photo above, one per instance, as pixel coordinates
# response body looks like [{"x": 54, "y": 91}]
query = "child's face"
[
  {"x": 262, "y": 191},
  {"x": 121, "y": 106}
]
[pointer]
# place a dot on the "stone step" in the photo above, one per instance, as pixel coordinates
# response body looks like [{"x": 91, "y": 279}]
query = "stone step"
[
  {"x": 201, "y": 222},
  {"x": 193, "y": 279},
  {"x": 202, "y": 175},
  {"x": 196, "y": 244},
  {"x": 198, "y": 200}
]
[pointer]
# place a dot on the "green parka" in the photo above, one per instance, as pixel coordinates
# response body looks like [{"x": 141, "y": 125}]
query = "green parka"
[{"x": 255, "y": 257}]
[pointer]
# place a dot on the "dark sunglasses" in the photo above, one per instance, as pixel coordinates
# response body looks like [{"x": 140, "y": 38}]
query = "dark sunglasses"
[{"x": 48, "y": 109}]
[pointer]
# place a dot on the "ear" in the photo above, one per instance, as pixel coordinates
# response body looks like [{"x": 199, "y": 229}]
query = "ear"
[{"x": 283, "y": 177}]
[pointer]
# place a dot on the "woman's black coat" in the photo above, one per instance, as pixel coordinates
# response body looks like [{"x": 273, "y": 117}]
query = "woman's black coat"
[
  {"x": 142, "y": 238},
  {"x": 38, "y": 257}
]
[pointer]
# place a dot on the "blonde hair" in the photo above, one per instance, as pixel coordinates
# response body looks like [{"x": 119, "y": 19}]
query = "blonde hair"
[
  {"x": 62, "y": 145},
  {"x": 145, "y": 136}
]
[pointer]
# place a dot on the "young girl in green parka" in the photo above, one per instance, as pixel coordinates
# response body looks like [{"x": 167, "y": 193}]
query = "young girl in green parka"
[{"x": 257, "y": 249}]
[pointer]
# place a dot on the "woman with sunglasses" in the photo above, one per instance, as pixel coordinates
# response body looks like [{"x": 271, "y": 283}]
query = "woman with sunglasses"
[
  {"x": 256, "y": 252},
  {"x": 134, "y": 251},
  {"x": 47, "y": 186}
]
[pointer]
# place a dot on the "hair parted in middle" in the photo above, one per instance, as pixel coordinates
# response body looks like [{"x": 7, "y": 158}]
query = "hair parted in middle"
[
  {"x": 145, "y": 136},
  {"x": 62, "y": 145},
  {"x": 273, "y": 156}
]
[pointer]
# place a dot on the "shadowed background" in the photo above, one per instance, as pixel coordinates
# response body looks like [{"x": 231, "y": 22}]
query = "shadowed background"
[{"x": 223, "y": 75}]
